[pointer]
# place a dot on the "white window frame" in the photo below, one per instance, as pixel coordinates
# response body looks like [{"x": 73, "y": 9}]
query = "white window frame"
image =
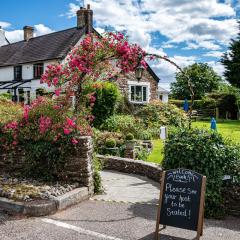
[{"x": 142, "y": 84}]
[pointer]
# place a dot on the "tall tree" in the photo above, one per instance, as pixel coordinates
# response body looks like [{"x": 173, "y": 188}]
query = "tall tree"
[
  {"x": 203, "y": 79},
  {"x": 231, "y": 61}
]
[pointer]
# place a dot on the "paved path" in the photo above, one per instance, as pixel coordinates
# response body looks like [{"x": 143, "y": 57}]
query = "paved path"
[
  {"x": 122, "y": 187},
  {"x": 96, "y": 220}
]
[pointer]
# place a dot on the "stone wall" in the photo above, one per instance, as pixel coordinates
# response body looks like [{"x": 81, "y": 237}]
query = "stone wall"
[
  {"x": 78, "y": 167},
  {"x": 127, "y": 165},
  {"x": 122, "y": 82}
]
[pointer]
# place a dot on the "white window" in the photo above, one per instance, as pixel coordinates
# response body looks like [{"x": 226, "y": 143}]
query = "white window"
[{"x": 138, "y": 92}]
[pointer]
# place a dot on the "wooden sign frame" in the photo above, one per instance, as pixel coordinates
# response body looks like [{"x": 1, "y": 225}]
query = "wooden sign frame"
[{"x": 200, "y": 214}]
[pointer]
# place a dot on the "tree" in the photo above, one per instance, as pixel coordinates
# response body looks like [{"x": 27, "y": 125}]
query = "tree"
[
  {"x": 96, "y": 58},
  {"x": 203, "y": 80},
  {"x": 231, "y": 61}
]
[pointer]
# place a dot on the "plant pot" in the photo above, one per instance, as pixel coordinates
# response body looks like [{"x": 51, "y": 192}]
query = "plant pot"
[{"x": 130, "y": 144}]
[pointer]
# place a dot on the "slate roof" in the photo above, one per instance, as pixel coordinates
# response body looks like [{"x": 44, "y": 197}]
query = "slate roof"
[
  {"x": 54, "y": 45},
  {"x": 50, "y": 46}
]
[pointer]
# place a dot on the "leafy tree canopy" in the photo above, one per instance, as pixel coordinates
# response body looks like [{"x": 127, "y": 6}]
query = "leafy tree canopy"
[
  {"x": 231, "y": 61},
  {"x": 203, "y": 79}
]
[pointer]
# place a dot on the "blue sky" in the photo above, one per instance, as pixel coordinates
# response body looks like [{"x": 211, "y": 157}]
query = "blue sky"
[{"x": 186, "y": 31}]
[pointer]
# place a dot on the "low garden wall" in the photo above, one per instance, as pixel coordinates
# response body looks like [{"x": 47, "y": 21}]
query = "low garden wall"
[
  {"x": 128, "y": 165},
  {"x": 78, "y": 165}
]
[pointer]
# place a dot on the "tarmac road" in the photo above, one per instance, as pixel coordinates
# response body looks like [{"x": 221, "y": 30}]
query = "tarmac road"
[{"x": 105, "y": 217}]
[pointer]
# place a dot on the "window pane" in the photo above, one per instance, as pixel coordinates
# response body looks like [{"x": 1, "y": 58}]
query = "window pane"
[
  {"x": 18, "y": 73},
  {"x": 38, "y": 70},
  {"x": 144, "y": 94},
  {"x": 132, "y": 93},
  {"x": 139, "y": 93}
]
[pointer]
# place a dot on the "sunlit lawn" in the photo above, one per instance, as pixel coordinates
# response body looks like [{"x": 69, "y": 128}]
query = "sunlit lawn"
[
  {"x": 156, "y": 155},
  {"x": 229, "y": 129}
]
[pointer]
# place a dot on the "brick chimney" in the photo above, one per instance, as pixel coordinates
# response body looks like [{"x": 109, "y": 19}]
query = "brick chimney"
[
  {"x": 28, "y": 32},
  {"x": 85, "y": 18}
]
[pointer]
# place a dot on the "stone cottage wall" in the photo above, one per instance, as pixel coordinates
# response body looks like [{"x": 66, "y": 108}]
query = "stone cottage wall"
[
  {"x": 122, "y": 82},
  {"x": 78, "y": 167}
]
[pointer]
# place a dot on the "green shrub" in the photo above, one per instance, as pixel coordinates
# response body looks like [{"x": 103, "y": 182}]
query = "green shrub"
[
  {"x": 157, "y": 114},
  {"x": 204, "y": 103},
  {"x": 110, "y": 143},
  {"x": 5, "y": 96},
  {"x": 9, "y": 111},
  {"x": 123, "y": 124},
  {"x": 129, "y": 137},
  {"x": 142, "y": 154},
  {"x": 97, "y": 167},
  {"x": 107, "y": 95},
  {"x": 207, "y": 153},
  {"x": 101, "y": 137},
  {"x": 46, "y": 133},
  {"x": 145, "y": 135}
]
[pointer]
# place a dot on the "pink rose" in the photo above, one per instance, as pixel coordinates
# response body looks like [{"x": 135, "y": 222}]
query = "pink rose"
[
  {"x": 66, "y": 131},
  {"x": 74, "y": 141},
  {"x": 58, "y": 91}
]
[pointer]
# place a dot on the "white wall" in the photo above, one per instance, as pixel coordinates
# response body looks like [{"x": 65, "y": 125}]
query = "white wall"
[
  {"x": 164, "y": 96},
  {"x": 27, "y": 71},
  {"x": 6, "y": 74}
]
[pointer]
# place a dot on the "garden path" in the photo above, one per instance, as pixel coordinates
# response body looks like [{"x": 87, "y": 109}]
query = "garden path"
[{"x": 121, "y": 187}]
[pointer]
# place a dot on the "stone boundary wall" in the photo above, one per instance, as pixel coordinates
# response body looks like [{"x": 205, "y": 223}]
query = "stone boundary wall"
[
  {"x": 127, "y": 165},
  {"x": 78, "y": 167}
]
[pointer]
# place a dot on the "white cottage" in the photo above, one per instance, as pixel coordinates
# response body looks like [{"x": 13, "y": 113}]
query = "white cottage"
[
  {"x": 163, "y": 94},
  {"x": 22, "y": 63}
]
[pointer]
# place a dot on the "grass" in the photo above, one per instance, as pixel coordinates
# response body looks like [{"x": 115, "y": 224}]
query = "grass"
[
  {"x": 228, "y": 128},
  {"x": 156, "y": 155}
]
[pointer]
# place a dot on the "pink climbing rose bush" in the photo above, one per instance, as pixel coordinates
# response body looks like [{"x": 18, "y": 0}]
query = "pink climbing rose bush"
[{"x": 96, "y": 58}]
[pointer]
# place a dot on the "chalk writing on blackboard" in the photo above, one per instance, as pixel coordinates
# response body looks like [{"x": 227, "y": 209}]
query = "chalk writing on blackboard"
[
  {"x": 181, "y": 199},
  {"x": 182, "y": 175}
]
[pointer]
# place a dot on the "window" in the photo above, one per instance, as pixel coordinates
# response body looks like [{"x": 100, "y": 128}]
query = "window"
[
  {"x": 160, "y": 97},
  {"x": 37, "y": 70},
  {"x": 20, "y": 95},
  {"x": 138, "y": 94},
  {"x": 18, "y": 73}
]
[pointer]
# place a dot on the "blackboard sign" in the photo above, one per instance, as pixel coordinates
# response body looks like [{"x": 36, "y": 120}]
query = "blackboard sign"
[{"x": 181, "y": 200}]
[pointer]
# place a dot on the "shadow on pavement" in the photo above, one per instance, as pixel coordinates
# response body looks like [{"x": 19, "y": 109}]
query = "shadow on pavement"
[
  {"x": 163, "y": 237},
  {"x": 231, "y": 223},
  {"x": 146, "y": 211}
]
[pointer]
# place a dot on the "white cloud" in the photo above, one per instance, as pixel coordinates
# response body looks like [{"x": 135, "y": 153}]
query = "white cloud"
[
  {"x": 4, "y": 24},
  {"x": 14, "y": 36},
  {"x": 17, "y": 35},
  {"x": 215, "y": 54},
  {"x": 41, "y": 29},
  {"x": 201, "y": 24},
  {"x": 210, "y": 45},
  {"x": 217, "y": 66}
]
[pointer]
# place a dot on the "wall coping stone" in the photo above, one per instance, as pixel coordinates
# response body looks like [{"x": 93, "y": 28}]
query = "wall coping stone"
[
  {"x": 127, "y": 165},
  {"x": 45, "y": 207}
]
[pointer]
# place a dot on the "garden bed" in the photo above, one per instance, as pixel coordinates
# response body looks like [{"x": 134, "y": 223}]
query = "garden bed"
[{"x": 27, "y": 190}]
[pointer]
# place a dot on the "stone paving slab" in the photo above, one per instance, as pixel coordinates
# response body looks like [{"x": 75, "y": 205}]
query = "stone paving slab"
[{"x": 120, "y": 187}]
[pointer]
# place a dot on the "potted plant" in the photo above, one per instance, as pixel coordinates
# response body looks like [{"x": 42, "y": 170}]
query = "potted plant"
[{"x": 110, "y": 147}]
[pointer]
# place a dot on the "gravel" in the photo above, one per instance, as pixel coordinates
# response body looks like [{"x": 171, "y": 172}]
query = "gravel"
[{"x": 22, "y": 189}]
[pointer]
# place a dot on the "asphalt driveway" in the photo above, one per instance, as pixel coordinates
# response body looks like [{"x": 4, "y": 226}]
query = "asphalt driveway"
[{"x": 116, "y": 215}]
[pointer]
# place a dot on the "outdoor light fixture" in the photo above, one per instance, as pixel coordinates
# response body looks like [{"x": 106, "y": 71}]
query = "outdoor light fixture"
[
  {"x": 139, "y": 72},
  {"x": 139, "y": 69}
]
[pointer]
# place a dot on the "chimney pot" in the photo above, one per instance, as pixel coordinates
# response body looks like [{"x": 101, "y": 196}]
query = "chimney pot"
[
  {"x": 85, "y": 18},
  {"x": 28, "y": 32}
]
